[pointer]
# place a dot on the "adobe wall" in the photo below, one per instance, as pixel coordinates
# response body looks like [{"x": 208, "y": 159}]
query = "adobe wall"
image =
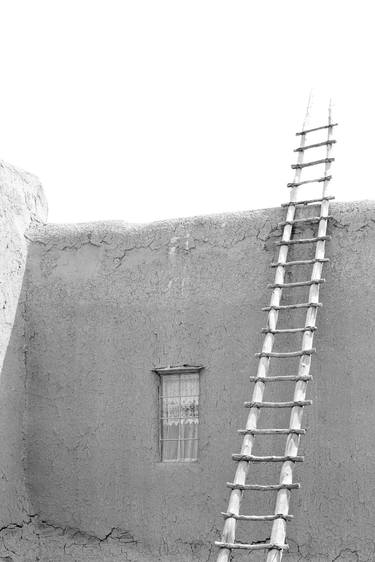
[
  {"x": 22, "y": 204},
  {"x": 108, "y": 302}
]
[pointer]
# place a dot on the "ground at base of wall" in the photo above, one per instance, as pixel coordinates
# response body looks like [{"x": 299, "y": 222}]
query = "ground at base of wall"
[{"x": 36, "y": 541}]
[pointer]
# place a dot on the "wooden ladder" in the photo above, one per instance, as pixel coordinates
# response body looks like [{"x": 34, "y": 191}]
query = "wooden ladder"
[{"x": 277, "y": 543}]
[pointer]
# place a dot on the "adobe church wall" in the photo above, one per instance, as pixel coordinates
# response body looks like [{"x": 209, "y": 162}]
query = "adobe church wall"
[
  {"x": 22, "y": 204},
  {"x": 108, "y": 302}
]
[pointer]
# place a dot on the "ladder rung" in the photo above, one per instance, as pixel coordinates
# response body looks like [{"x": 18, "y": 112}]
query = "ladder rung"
[
  {"x": 282, "y": 378},
  {"x": 292, "y": 306},
  {"x": 316, "y": 145},
  {"x": 258, "y": 517},
  {"x": 301, "y": 262},
  {"x": 286, "y": 431},
  {"x": 258, "y": 488},
  {"x": 330, "y": 125},
  {"x": 317, "y": 180},
  {"x": 291, "y": 404},
  {"x": 289, "y": 330},
  {"x": 253, "y": 458},
  {"x": 314, "y": 163},
  {"x": 286, "y": 354},
  {"x": 302, "y": 241},
  {"x": 306, "y": 219},
  {"x": 257, "y": 546},
  {"x": 297, "y": 284},
  {"x": 307, "y": 201}
]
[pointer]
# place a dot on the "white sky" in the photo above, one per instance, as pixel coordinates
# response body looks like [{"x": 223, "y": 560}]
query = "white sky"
[{"x": 140, "y": 110}]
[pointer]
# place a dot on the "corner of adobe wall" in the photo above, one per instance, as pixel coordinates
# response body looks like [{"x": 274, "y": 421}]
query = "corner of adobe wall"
[{"x": 22, "y": 205}]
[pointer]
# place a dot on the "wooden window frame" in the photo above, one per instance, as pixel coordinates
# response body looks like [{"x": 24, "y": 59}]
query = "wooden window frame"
[{"x": 175, "y": 370}]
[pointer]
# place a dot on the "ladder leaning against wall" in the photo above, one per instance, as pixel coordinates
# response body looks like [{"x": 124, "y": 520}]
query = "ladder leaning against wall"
[{"x": 276, "y": 545}]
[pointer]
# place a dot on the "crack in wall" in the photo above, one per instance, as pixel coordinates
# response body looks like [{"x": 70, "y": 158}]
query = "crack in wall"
[
  {"x": 36, "y": 540},
  {"x": 306, "y": 552},
  {"x": 345, "y": 551},
  {"x": 34, "y": 531}
]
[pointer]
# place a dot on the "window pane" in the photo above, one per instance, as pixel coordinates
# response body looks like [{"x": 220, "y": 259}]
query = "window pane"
[
  {"x": 170, "y": 429},
  {"x": 189, "y": 450},
  {"x": 189, "y": 385},
  {"x": 189, "y": 407},
  {"x": 179, "y": 401},
  {"x": 189, "y": 428},
  {"x": 169, "y": 450},
  {"x": 170, "y": 385},
  {"x": 189, "y": 439},
  {"x": 170, "y": 407}
]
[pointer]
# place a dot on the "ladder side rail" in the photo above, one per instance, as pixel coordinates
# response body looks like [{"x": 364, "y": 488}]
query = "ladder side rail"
[
  {"x": 278, "y": 534},
  {"x": 229, "y": 529}
]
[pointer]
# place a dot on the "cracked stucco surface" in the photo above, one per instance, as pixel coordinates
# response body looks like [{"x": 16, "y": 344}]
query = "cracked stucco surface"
[
  {"x": 21, "y": 204},
  {"x": 104, "y": 303},
  {"x": 110, "y": 301}
]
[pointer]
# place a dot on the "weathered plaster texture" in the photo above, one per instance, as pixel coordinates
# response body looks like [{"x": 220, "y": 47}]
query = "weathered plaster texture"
[
  {"x": 107, "y": 303},
  {"x": 21, "y": 204},
  {"x": 100, "y": 306}
]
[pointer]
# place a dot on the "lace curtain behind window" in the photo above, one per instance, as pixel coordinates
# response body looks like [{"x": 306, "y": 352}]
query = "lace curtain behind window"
[{"x": 179, "y": 417}]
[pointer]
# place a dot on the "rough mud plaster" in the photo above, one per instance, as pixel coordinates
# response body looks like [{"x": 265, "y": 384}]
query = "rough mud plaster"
[
  {"x": 21, "y": 204},
  {"x": 107, "y": 302}
]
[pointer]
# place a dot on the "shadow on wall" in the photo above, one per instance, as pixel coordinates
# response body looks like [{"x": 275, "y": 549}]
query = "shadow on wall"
[{"x": 15, "y": 507}]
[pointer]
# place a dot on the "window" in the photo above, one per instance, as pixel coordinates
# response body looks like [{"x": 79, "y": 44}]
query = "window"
[{"x": 178, "y": 413}]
